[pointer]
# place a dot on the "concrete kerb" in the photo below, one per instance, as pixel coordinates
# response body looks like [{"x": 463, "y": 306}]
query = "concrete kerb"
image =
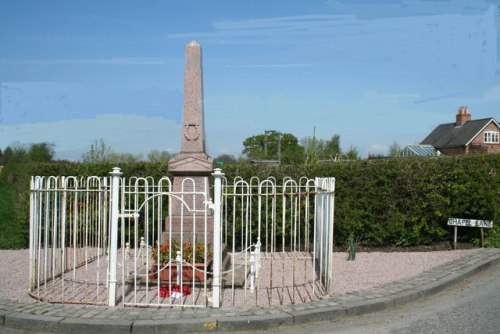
[
  {"x": 326, "y": 309},
  {"x": 255, "y": 322},
  {"x": 174, "y": 326},
  {"x": 369, "y": 306},
  {"x": 325, "y": 313},
  {"x": 92, "y": 326},
  {"x": 438, "y": 286},
  {"x": 32, "y": 322}
]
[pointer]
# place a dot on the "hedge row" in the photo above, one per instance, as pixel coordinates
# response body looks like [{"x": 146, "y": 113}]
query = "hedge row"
[
  {"x": 407, "y": 201},
  {"x": 15, "y": 185},
  {"x": 396, "y": 202}
]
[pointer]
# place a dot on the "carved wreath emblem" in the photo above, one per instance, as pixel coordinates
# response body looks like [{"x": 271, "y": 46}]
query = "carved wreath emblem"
[{"x": 191, "y": 131}]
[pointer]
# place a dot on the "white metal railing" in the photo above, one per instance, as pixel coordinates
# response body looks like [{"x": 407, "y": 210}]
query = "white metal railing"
[
  {"x": 288, "y": 226},
  {"x": 68, "y": 231},
  {"x": 117, "y": 241},
  {"x": 323, "y": 230}
]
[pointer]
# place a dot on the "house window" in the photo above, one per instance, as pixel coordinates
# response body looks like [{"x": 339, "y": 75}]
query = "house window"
[{"x": 491, "y": 137}]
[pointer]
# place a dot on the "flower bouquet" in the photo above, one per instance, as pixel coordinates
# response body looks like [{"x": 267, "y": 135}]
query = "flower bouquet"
[{"x": 194, "y": 259}]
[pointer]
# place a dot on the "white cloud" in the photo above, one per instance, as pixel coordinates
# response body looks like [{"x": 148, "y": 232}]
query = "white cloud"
[
  {"x": 123, "y": 133},
  {"x": 378, "y": 148}
]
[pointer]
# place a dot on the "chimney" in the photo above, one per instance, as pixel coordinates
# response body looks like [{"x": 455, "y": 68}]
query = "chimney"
[{"x": 462, "y": 116}]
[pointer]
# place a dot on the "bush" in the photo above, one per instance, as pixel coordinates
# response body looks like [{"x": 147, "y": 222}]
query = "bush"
[{"x": 399, "y": 201}]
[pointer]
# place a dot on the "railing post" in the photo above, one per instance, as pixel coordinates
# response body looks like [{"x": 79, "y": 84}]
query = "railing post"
[
  {"x": 34, "y": 187},
  {"x": 216, "y": 282},
  {"x": 113, "y": 250},
  {"x": 178, "y": 263}
]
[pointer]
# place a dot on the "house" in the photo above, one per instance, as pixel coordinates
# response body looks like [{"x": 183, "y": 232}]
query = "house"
[{"x": 465, "y": 135}]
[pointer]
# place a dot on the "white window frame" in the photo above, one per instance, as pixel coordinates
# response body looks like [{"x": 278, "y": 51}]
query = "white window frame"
[{"x": 491, "y": 137}]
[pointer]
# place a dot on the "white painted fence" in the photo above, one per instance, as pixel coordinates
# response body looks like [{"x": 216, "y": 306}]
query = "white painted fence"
[
  {"x": 113, "y": 241},
  {"x": 69, "y": 235}
]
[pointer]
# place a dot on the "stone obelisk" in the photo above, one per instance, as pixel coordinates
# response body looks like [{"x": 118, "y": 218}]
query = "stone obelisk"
[{"x": 192, "y": 166}]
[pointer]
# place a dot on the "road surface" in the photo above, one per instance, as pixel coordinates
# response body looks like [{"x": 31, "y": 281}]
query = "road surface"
[{"x": 473, "y": 306}]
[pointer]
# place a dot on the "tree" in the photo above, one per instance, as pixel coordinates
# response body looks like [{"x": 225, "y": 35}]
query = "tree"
[
  {"x": 99, "y": 152},
  {"x": 274, "y": 145},
  {"x": 157, "y": 156},
  {"x": 395, "y": 150},
  {"x": 7, "y": 155},
  {"x": 255, "y": 147},
  {"x": 332, "y": 147},
  {"x": 312, "y": 149},
  {"x": 19, "y": 153},
  {"x": 124, "y": 158},
  {"x": 41, "y": 152},
  {"x": 320, "y": 149},
  {"x": 16, "y": 154},
  {"x": 352, "y": 153}
]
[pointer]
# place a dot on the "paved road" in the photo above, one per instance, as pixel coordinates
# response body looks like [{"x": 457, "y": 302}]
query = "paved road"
[{"x": 472, "y": 306}]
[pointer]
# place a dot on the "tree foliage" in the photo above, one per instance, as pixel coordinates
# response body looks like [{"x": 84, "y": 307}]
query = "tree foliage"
[
  {"x": 352, "y": 153},
  {"x": 274, "y": 145},
  {"x": 38, "y": 152},
  {"x": 41, "y": 152},
  {"x": 99, "y": 152},
  {"x": 320, "y": 149},
  {"x": 157, "y": 156},
  {"x": 395, "y": 150}
]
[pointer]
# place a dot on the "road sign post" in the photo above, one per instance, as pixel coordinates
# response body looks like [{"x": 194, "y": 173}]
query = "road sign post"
[{"x": 456, "y": 222}]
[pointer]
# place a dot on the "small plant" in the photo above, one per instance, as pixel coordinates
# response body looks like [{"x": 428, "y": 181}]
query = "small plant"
[
  {"x": 352, "y": 247},
  {"x": 168, "y": 252}
]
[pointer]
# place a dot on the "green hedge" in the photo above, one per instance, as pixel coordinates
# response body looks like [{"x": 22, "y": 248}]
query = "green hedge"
[
  {"x": 405, "y": 201},
  {"x": 15, "y": 185},
  {"x": 401, "y": 202}
]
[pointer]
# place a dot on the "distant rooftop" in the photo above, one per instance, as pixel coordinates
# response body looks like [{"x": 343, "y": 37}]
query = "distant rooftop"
[
  {"x": 450, "y": 135},
  {"x": 420, "y": 150}
]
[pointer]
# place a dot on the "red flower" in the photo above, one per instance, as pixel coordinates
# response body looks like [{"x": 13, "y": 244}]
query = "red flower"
[
  {"x": 166, "y": 253},
  {"x": 165, "y": 292}
]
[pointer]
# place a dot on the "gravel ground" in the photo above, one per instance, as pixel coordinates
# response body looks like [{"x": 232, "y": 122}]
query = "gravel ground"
[{"x": 368, "y": 270}]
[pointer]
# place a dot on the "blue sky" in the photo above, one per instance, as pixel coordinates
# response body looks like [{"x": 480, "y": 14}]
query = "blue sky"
[{"x": 374, "y": 72}]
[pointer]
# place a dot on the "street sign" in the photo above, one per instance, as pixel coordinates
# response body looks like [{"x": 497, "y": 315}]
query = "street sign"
[
  {"x": 470, "y": 222},
  {"x": 456, "y": 222}
]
